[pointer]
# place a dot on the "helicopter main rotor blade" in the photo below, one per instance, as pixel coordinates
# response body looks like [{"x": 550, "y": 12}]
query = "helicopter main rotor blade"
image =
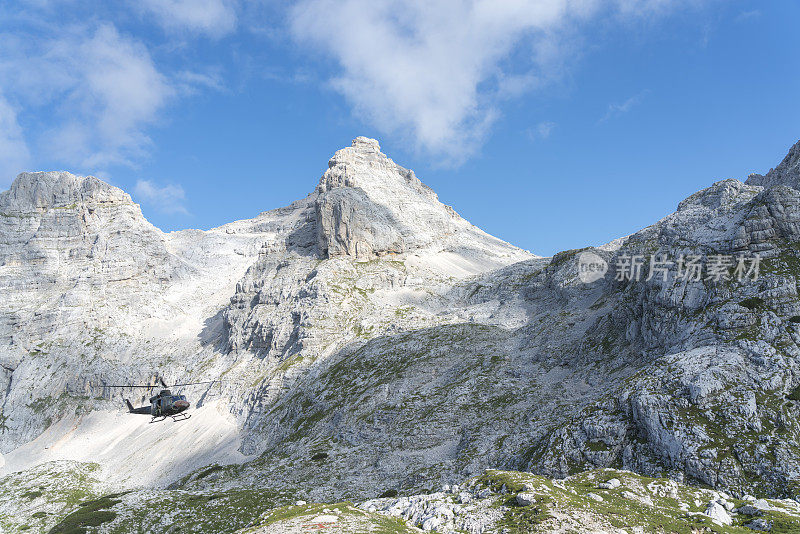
[
  {"x": 195, "y": 383},
  {"x": 130, "y": 386},
  {"x": 162, "y": 383}
]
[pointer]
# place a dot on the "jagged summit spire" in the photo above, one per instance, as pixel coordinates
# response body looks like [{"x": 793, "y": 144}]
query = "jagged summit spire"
[
  {"x": 366, "y": 143},
  {"x": 364, "y": 166},
  {"x": 367, "y": 205},
  {"x": 786, "y": 173}
]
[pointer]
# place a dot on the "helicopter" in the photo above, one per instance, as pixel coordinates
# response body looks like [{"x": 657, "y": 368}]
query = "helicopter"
[{"x": 164, "y": 404}]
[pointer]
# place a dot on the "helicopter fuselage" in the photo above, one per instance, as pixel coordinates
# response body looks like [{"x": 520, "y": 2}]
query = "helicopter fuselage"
[{"x": 165, "y": 404}]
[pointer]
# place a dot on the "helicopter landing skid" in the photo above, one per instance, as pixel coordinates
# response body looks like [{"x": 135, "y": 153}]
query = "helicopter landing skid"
[{"x": 178, "y": 417}]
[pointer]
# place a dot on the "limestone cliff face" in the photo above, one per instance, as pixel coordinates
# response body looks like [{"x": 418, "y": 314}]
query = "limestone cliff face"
[
  {"x": 93, "y": 294},
  {"x": 71, "y": 245}
]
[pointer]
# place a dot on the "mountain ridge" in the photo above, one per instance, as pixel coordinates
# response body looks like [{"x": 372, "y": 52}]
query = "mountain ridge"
[{"x": 370, "y": 327}]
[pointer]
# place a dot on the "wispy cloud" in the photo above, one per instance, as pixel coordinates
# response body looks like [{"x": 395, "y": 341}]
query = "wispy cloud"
[
  {"x": 101, "y": 88},
  {"x": 747, "y": 15},
  {"x": 617, "y": 109},
  {"x": 437, "y": 71},
  {"x": 88, "y": 94},
  {"x": 214, "y": 18},
  {"x": 190, "y": 82},
  {"x": 14, "y": 154},
  {"x": 169, "y": 199},
  {"x": 541, "y": 130}
]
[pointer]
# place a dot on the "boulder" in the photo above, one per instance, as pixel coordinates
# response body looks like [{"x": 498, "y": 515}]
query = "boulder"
[
  {"x": 749, "y": 509},
  {"x": 526, "y": 499},
  {"x": 718, "y": 513},
  {"x": 614, "y": 483},
  {"x": 760, "y": 524}
]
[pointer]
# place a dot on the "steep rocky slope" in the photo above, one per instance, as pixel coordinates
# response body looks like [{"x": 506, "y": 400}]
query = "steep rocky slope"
[{"x": 372, "y": 340}]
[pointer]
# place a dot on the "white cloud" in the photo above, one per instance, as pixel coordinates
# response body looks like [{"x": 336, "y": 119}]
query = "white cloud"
[
  {"x": 541, "y": 130},
  {"x": 617, "y": 109},
  {"x": 14, "y": 155},
  {"x": 747, "y": 15},
  {"x": 169, "y": 199},
  {"x": 190, "y": 82},
  {"x": 214, "y": 18},
  {"x": 437, "y": 70},
  {"x": 101, "y": 90}
]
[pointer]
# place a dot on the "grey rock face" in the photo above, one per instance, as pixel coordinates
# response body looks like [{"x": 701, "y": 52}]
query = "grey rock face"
[
  {"x": 92, "y": 288},
  {"x": 609, "y": 484},
  {"x": 93, "y": 294}
]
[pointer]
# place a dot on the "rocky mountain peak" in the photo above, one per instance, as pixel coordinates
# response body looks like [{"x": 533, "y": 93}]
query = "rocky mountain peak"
[
  {"x": 366, "y": 144},
  {"x": 786, "y": 173},
  {"x": 43, "y": 190},
  {"x": 363, "y": 165},
  {"x": 368, "y": 206}
]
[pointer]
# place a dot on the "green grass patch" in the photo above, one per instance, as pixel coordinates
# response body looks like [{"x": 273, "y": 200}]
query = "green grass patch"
[
  {"x": 358, "y": 519},
  {"x": 320, "y": 457},
  {"x": 498, "y": 481},
  {"x": 782, "y": 523},
  {"x": 90, "y": 514},
  {"x": 525, "y": 519},
  {"x": 597, "y": 446},
  {"x": 206, "y": 472},
  {"x": 752, "y": 303}
]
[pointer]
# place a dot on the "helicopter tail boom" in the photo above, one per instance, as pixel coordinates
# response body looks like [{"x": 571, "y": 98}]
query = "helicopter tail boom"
[{"x": 144, "y": 410}]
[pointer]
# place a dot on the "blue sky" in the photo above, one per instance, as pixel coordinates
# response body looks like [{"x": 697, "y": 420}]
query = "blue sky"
[{"x": 552, "y": 124}]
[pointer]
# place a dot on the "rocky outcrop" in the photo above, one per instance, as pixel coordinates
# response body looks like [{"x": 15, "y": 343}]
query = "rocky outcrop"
[{"x": 786, "y": 173}]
